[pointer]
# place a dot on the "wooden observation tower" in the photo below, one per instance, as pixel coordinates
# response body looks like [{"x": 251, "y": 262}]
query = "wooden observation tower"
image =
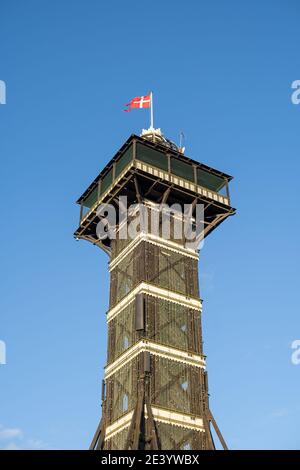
[{"x": 155, "y": 392}]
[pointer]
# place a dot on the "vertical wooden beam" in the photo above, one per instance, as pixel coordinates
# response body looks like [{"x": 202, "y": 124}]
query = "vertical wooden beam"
[
  {"x": 195, "y": 174},
  {"x": 139, "y": 312},
  {"x": 137, "y": 189}
]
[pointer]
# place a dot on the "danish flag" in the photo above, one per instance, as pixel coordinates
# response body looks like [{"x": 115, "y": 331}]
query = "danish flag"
[{"x": 139, "y": 102}]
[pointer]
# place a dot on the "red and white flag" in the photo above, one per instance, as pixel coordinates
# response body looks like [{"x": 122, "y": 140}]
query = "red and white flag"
[{"x": 139, "y": 102}]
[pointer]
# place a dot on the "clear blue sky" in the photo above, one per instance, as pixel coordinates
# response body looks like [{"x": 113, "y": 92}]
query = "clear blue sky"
[{"x": 222, "y": 73}]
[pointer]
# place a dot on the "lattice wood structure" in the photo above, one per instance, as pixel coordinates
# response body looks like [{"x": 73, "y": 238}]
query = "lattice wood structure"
[{"x": 155, "y": 393}]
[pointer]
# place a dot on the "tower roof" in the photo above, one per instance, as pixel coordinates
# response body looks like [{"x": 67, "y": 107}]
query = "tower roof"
[
  {"x": 156, "y": 136},
  {"x": 156, "y": 140}
]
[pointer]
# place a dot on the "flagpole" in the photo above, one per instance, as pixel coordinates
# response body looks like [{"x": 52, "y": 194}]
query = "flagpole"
[{"x": 151, "y": 110}]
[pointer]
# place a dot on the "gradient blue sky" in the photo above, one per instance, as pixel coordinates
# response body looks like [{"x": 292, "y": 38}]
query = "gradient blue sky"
[{"x": 222, "y": 73}]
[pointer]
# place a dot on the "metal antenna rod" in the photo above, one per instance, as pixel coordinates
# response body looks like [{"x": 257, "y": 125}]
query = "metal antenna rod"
[
  {"x": 151, "y": 110},
  {"x": 181, "y": 138}
]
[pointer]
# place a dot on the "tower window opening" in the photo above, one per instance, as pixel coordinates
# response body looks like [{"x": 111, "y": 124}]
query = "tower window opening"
[
  {"x": 125, "y": 342},
  {"x": 123, "y": 286},
  {"x": 186, "y": 446},
  {"x": 185, "y": 385},
  {"x": 125, "y": 402}
]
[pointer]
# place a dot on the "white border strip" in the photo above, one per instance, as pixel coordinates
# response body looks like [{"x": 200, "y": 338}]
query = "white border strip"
[
  {"x": 155, "y": 291},
  {"x": 177, "y": 419},
  {"x": 192, "y": 359},
  {"x": 160, "y": 414},
  {"x": 118, "y": 425},
  {"x": 155, "y": 240}
]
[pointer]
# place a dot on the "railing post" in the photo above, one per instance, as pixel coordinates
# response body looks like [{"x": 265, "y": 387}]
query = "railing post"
[
  {"x": 227, "y": 191},
  {"x": 99, "y": 190},
  {"x": 195, "y": 174}
]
